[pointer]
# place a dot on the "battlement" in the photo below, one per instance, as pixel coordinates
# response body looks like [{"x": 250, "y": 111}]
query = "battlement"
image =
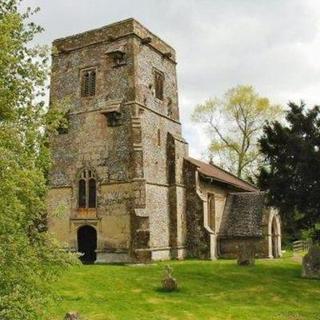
[{"x": 113, "y": 32}]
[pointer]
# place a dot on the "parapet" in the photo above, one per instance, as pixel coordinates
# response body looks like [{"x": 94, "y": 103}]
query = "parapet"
[{"x": 113, "y": 32}]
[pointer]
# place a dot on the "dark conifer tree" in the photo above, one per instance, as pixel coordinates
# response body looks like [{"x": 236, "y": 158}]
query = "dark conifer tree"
[{"x": 291, "y": 174}]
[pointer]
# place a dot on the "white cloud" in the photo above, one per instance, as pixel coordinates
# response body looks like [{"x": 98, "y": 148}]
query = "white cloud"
[{"x": 272, "y": 45}]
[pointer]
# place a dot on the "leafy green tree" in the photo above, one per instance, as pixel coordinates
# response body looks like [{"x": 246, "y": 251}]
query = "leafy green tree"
[
  {"x": 291, "y": 174},
  {"x": 29, "y": 258},
  {"x": 234, "y": 124}
]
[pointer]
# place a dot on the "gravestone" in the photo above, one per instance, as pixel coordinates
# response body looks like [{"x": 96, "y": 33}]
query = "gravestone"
[
  {"x": 72, "y": 316},
  {"x": 169, "y": 283},
  {"x": 311, "y": 263}
]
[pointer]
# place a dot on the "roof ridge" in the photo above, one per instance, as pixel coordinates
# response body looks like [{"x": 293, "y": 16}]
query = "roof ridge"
[
  {"x": 248, "y": 192},
  {"x": 230, "y": 173},
  {"x": 225, "y": 171}
]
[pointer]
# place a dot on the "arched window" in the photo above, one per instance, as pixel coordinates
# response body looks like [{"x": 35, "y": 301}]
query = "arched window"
[
  {"x": 82, "y": 193},
  {"x": 87, "y": 189},
  {"x": 92, "y": 193},
  {"x": 211, "y": 211}
]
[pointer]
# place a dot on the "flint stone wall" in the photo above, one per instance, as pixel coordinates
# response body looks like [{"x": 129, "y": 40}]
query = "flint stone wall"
[
  {"x": 197, "y": 237},
  {"x": 130, "y": 160}
]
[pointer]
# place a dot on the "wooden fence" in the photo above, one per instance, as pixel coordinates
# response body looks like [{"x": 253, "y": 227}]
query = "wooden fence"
[{"x": 301, "y": 245}]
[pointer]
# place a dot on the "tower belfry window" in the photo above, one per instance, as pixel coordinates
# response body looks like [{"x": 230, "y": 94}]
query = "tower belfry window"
[
  {"x": 88, "y": 85},
  {"x": 158, "y": 84},
  {"x": 82, "y": 193},
  {"x": 87, "y": 189}
]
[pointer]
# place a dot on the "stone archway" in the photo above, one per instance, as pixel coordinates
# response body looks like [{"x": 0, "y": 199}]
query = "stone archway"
[
  {"x": 274, "y": 232},
  {"x": 274, "y": 235},
  {"x": 87, "y": 243}
]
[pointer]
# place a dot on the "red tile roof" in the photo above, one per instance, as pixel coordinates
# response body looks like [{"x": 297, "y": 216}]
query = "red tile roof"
[{"x": 221, "y": 175}]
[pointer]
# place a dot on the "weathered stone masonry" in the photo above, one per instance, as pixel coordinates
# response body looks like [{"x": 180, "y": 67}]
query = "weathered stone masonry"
[
  {"x": 130, "y": 159},
  {"x": 141, "y": 197}
]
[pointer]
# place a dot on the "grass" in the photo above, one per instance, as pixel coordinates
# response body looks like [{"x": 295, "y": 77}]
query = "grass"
[{"x": 271, "y": 290}]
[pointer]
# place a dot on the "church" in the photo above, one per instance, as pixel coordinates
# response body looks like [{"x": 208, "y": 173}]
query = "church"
[{"x": 123, "y": 188}]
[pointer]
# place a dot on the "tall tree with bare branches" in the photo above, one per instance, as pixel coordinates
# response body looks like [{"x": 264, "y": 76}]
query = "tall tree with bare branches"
[{"x": 234, "y": 123}]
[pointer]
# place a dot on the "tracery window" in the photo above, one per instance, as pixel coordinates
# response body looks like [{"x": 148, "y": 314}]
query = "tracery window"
[
  {"x": 87, "y": 189},
  {"x": 88, "y": 83}
]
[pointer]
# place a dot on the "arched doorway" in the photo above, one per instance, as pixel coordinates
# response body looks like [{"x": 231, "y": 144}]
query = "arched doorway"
[
  {"x": 274, "y": 235},
  {"x": 87, "y": 243}
]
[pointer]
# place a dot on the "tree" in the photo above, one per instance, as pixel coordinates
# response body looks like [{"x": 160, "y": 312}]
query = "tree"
[
  {"x": 291, "y": 174},
  {"x": 29, "y": 258},
  {"x": 234, "y": 124}
]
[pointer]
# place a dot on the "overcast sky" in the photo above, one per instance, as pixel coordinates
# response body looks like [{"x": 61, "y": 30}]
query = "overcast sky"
[{"x": 273, "y": 45}]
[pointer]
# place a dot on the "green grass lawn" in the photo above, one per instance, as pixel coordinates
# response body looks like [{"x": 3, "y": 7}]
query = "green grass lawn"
[{"x": 272, "y": 289}]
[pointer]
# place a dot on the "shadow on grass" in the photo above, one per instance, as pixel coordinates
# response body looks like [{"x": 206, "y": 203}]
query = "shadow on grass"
[
  {"x": 117, "y": 264},
  {"x": 166, "y": 291}
]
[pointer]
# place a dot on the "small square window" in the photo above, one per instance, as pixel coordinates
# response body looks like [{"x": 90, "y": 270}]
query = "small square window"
[
  {"x": 114, "y": 119},
  {"x": 158, "y": 84},
  {"x": 88, "y": 85}
]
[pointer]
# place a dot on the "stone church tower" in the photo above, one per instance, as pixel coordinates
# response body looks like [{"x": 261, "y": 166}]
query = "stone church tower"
[
  {"x": 122, "y": 186},
  {"x": 116, "y": 185}
]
